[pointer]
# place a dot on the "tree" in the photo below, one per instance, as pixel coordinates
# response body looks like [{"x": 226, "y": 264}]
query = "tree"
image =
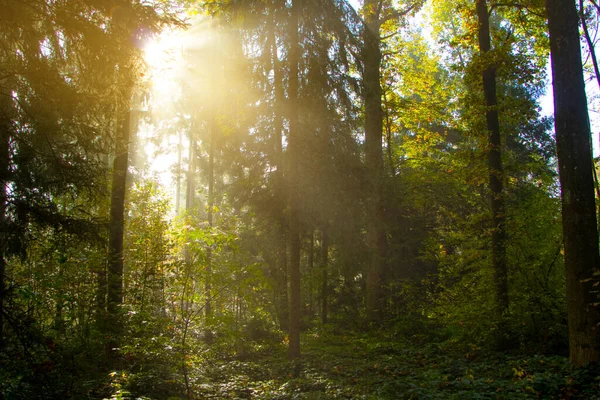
[
  {"x": 580, "y": 233},
  {"x": 52, "y": 121},
  {"x": 126, "y": 71},
  {"x": 293, "y": 180},
  {"x": 373, "y": 155},
  {"x": 325, "y": 275},
  {"x": 278, "y": 161},
  {"x": 375, "y": 14},
  {"x": 6, "y": 118},
  {"x": 117, "y": 227},
  {"x": 496, "y": 174},
  {"x": 462, "y": 218}
]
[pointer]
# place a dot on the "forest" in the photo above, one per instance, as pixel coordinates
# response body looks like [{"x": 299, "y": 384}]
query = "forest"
[{"x": 299, "y": 199}]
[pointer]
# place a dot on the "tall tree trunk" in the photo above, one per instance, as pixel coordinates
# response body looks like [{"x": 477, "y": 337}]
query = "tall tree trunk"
[
  {"x": 499, "y": 263},
  {"x": 117, "y": 223},
  {"x": 294, "y": 192},
  {"x": 279, "y": 182},
  {"x": 178, "y": 177},
  {"x": 580, "y": 233},
  {"x": 211, "y": 204},
  {"x": 374, "y": 158},
  {"x": 325, "y": 286},
  {"x": 117, "y": 216},
  {"x": 2, "y": 291},
  {"x": 102, "y": 270},
  {"x": 190, "y": 189},
  {"x": 311, "y": 264},
  {"x": 6, "y": 113}
]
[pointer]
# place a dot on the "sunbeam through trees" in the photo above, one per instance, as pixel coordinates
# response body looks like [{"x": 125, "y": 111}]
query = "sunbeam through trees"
[{"x": 303, "y": 199}]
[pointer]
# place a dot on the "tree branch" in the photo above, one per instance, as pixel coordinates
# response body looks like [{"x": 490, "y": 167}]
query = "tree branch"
[
  {"x": 515, "y": 5},
  {"x": 396, "y": 14},
  {"x": 391, "y": 35}
]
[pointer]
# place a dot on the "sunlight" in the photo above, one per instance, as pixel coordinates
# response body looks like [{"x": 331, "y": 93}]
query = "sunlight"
[
  {"x": 185, "y": 77},
  {"x": 343, "y": 181},
  {"x": 191, "y": 72},
  {"x": 179, "y": 58},
  {"x": 164, "y": 57}
]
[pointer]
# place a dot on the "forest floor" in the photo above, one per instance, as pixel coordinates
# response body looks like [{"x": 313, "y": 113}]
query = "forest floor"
[{"x": 361, "y": 366}]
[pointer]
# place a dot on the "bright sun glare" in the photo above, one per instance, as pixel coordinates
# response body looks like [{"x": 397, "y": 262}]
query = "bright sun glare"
[
  {"x": 185, "y": 75},
  {"x": 163, "y": 55}
]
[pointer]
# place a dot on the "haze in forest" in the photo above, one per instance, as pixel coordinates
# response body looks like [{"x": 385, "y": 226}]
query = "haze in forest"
[{"x": 299, "y": 199}]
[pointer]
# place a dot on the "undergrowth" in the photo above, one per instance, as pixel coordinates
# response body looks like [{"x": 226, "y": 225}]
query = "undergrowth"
[{"x": 360, "y": 366}]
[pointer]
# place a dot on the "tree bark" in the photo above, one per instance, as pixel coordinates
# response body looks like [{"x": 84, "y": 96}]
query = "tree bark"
[
  {"x": 280, "y": 272},
  {"x": 117, "y": 218},
  {"x": 111, "y": 323},
  {"x": 573, "y": 146},
  {"x": 376, "y": 237},
  {"x": 190, "y": 188},
  {"x": 189, "y": 194},
  {"x": 499, "y": 262},
  {"x": 311, "y": 265},
  {"x": 2, "y": 286},
  {"x": 178, "y": 177},
  {"x": 324, "y": 265},
  {"x": 211, "y": 205},
  {"x": 102, "y": 271},
  {"x": 294, "y": 192},
  {"x": 5, "y": 133}
]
